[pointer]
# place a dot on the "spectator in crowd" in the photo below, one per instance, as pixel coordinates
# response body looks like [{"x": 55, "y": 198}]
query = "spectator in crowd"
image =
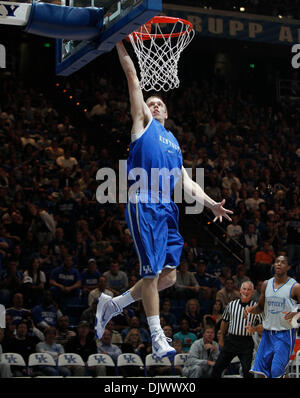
[
  {"x": 65, "y": 284},
  {"x": 16, "y": 227},
  {"x": 214, "y": 319},
  {"x": 251, "y": 242},
  {"x": 226, "y": 272},
  {"x": 168, "y": 330},
  {"x": 260, "y": 225},
  {"x": 178, "y": 345},
  {"x": 10, "y": 328},
  {"x": 101, "y": 288},
  {"x": 240, "y": 276},
  {"x": 264, "y": 259},
  {"x": 206, "y": 281},
  {"x": 46, "y": 314},
  {"x": 22, "y": 343},
  {"x": 17, "y": 311},
  {"x": 58, "y": 241},
  {"x": 166, "y": 313},
  {"x": 234, "y": 229},
  {"x": 89, "y": 314},
  {"x": 134, "y": 323},
  {"x": 63, "y": 332},
  {"x": 134, "y": 344},
  {"x": 213, "y": 189},
  {"x": 83, "y": 344},
  {"x": 33, "y": 283},
  {"x": 215, "y": 262},
  {"x": 101, "y": 247},
  {"x": 67, "y": 161},
  {"x": 89, "y": 278},
  {"x": 184, "y": 335},
  {"x": 253, "y": 202},
  {"x": 228, "y": 292},
  {"x": 229, "y": 179},
  {"x": 186, "y": 285},
  {"x": 42, "y": 224},
  {"x": 116, "y": 337},
  {"x": 54, "y": 149},
  {"x": 51, "y": 347},
  {"x": 5, "y": 371},
  {"x": 202, "y": 356},
  {"x": 66, "y": 213},
  {"x": 10, "y": 282},
  {"x": 46, "y": 262},
  {"x": 117, "y": 280},
  {"x": 193, "y": 314},
  {"x": 105, "y": 346},
  {"x": 194, "y": 248},
  {"x": 257, "y": 290},
  {"x": 293, "y": 238}
]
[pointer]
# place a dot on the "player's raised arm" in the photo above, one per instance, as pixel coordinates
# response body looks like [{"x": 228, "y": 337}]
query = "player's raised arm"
[
  {"x": 139, "y": 111},
  {"x": 193, "y": 189},
  {"x": 259, "y": 307}
]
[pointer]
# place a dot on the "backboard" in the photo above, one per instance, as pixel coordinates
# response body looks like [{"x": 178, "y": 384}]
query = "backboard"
[{"x": 121, "y": 18}]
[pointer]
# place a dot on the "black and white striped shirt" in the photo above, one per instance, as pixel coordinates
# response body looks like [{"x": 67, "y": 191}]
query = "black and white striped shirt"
[{"x": 234, "y": 314}]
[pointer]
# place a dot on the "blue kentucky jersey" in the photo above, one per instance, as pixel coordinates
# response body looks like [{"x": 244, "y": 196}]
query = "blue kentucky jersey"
[{"x": 155, "y": 160}]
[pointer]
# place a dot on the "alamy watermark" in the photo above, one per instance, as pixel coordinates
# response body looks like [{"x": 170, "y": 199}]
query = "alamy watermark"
[
  {"x": 2, "y": 316},
  {"x": 138, "y": 185},
  {"x": 296, "y": 58},
  {"x": 2, "y": 56}
]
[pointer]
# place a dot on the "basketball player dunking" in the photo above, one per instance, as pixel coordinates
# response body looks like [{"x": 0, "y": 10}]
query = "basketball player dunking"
[
  {"x": 277, "y": 302},
  {"x": 153, "y": 226}
]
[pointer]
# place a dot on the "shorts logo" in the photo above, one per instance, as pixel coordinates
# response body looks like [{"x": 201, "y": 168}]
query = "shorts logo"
[{"x": 147, "y": 269}]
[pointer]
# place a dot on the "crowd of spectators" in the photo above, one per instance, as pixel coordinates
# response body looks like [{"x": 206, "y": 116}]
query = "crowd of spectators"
[{"x": 60, "y": 248}]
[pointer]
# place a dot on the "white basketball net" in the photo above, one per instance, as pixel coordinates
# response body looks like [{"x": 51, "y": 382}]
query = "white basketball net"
[{"x": 158, "y": 56}]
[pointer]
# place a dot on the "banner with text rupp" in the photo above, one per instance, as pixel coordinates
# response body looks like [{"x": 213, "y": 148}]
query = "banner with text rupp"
[{"x": 234, "y": 25}]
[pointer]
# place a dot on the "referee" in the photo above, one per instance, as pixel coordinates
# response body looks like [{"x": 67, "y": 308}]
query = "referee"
[{"x": 239, "y": 341}]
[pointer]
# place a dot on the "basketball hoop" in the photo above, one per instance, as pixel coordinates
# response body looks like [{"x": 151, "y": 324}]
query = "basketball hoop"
[{"x": 158, "y": 45}]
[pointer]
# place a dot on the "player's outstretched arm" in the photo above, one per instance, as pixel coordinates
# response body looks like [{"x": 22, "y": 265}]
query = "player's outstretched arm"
[
  {"x": 193, "y": 189},
  {"x": 139, "y": 111}
]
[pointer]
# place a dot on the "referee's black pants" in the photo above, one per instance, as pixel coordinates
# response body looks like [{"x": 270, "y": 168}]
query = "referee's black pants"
[{"x": 240, "y": 346}]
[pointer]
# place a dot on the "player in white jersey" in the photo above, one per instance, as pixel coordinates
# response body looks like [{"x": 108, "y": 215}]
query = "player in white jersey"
[{"x": 278, "y": 304}]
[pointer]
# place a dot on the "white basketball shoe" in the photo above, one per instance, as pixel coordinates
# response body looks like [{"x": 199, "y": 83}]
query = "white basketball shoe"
[
  {"x": 161, "y": 347},
  {"x": 106, "y": 309}
]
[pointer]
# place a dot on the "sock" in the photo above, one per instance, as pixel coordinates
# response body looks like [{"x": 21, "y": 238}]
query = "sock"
[
  {"x": 124, "y": 299},
  {"x": 154, "y": 324}
]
